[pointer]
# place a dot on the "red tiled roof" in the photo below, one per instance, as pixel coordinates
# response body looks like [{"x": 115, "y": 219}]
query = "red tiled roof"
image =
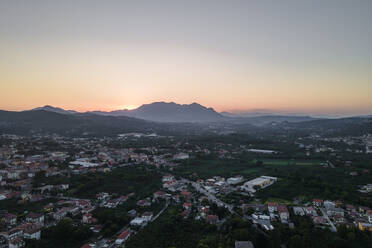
[
  {"x": 124, "y": 234},
  {"x": 212, "y": 217},
  {"x": 282, "y": 208}
]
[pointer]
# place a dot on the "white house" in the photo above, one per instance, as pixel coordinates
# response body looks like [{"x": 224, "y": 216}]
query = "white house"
[
  {"x": 139, "y": 221},
  {"x": 33, "y": 233}
]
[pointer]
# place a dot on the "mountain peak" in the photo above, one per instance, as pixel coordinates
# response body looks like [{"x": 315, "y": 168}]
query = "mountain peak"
[
  {"x": 170, "y": 112},
  {"x": 54, "y": 109}
]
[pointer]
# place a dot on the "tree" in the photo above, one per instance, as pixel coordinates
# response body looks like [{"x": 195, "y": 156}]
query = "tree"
[{"x": 295, "y": 242}]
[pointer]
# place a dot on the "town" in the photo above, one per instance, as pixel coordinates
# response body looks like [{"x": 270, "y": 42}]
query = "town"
[{"x": 106, "y": 191}]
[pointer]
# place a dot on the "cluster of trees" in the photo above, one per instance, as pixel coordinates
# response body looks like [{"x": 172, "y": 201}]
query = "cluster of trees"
[
  {"x": 139, "y": 180},
  {"x": 64, "y": 234},
  {"x": 111, "y": 219},
  {"x": 306, "y": 235},
  {"x": 333, "y": 184},
  {"x": 171, "y": 230}
]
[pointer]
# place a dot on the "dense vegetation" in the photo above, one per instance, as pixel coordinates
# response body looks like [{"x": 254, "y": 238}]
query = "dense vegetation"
[
  {"x": 139, "y": 180},
  {"x": 64, "y": 234},
  {"x": 171, "y": 230},
  {"x": 298, "y": 178}
]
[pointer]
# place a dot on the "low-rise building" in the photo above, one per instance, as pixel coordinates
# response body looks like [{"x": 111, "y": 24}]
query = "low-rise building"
[
  {"x": 124, "y": 236},
  {"x": 139, "y": 221},
  {"x": 212, "y": 219},
  {"x": 244, "y": 244},
  {"x": 283, "y": 212},
  {"x": 35, "y": 218},
  {"x": 299, "y": 211},
  {"x": 272, "y": 207}
]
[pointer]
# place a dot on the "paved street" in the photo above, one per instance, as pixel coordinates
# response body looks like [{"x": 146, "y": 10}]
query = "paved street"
[
  {"x": 210, "y": 196},
  {"x": 325, "y": 215}
]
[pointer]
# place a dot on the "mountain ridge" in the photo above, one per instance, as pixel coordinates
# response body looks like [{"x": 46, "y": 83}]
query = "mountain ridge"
[
  {"x": 55, "y": 109},
  {"x": 189, "y": 113},
  {"x": 169, "y": 112}
]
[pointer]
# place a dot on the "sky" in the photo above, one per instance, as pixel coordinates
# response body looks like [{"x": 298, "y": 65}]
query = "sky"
[{"x": 237, "y": 55}]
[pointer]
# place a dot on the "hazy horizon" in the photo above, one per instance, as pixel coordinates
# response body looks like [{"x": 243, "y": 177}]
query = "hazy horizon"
[
  {"x": 236, "y": 112},
  {"x": 311, "y": 57}
]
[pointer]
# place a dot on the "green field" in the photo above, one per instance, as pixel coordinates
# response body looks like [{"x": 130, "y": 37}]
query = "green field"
[
  {"x": 304, "y": 179},
  {"x": 285, "y": 162}
]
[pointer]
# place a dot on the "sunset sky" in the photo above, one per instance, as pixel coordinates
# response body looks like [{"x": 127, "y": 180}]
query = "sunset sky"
[{"x": 285, "y": 56}]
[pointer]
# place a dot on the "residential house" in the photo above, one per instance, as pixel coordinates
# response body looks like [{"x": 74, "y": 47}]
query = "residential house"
[
  {"x": 15, "y": 233},
  {"x": 365, "y": 226},
  {"x": 132, "y": 213},
  {"x": 310, "y": 211},
  {"x": 350, "y": 208},
  {"x": 338, "y": 219},
  {"x": 272, "y": 207},
  {"x": 317, "y": 202},
  {"x": 8, "y": 218},
  {"x": 147, "y": 216},
  {"x": 329, "y": 204},
  {"x": 35, "y": 218},
  {"x": 16, "y": 243},
  {"x": 123, "y": 199},
  {"x": 187, "y": 205},
  {"x": 369, "y": 216},
  {"x": 319, "y": 220},
  {"x": 363, "y": 209},
  {"x": 283, "y": 212},
  {"x": 32, "y": 232},
  {"x": 113, "y": 203},
  {"x": 335, "y": 211},
  {"x": 59, "y": 215},
  {"x": 49, "y": 207},
  {"x": 88, "y": 218},
  {"x": 103, "y": 196},
  {"x": 160, "y": 194},
  {"x": 144, "y": 203},
  {"x": 96, "y": 228},
  {"x": 124, "y": 236},
  {"x": 139, "y": 221},
  {"x": 244, "y": 244},
  {"x": 212, "y": 219},
  {"x": 298, "y": 211},
  {"x": 88, "y": 246}
]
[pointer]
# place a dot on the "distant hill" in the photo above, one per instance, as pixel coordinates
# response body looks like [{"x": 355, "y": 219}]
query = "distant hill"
[
  {"x": 169, "y": 112},
  {"x": 195, "y": 113},
  {"x": 87, "y": 124},
  {"x": 55, "y": 110},
  {"x": 28, "y": 122},
  {"x": 268, "y": 119},
  {"x": 336, "y": 127}
]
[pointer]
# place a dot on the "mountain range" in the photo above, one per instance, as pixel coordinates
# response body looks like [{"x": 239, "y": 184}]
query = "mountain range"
[
  {"x": 195, "y": 113},
  {"x": 169, "y": 119},
  {"x": 55, "y": 110},
  {"x": 169, "y": 112}
]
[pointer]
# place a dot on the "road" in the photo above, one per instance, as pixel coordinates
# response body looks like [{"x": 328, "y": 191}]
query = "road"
[
  {"x": 330, "y": 164},
  {"x": 325, "y": 215},
  {"x": 210, "y": 196},
  {"x": 161, "y": 211},
  {"x": 220, "y": 203}
]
